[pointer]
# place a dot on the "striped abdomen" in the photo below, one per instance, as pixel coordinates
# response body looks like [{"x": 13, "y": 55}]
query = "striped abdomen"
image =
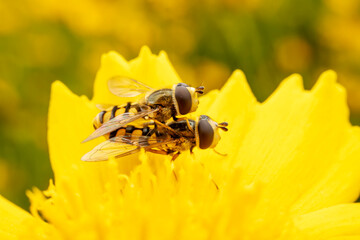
[
  {"x": 114, "y": 111},
  {"x": 130, "y": 132}
]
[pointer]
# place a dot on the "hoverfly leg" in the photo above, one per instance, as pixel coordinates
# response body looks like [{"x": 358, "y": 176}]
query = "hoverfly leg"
[
  {"x": 189, "y": 126},
  {"x": 187, "y": 123},
  {"x": 216, "y": 186},
  {"x": 175, "y": 176},
  {"x": 212, "y": 179},
  {"x": 175, "y": 156},
  {"x": 157, "y": 123},
  {"x": 221, "y": 154},
  {"x": 192, "y": 150},
  {"x": 157, "y": 151}
]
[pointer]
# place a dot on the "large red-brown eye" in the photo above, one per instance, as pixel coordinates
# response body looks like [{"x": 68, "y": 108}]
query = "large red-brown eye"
[
  {"x": 206, "y": 134},
  {"x": 183, "y": 99}
]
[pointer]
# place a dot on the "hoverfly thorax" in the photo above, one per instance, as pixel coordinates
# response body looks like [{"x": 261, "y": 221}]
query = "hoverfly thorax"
[
  {"x": 206, "y": 132},
  {"x": 185, "y": 98}
]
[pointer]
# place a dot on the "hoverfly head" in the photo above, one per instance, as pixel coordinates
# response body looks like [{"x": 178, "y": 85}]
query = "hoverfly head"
[
  {"x": 186, "y": 98},
  {"x": 206, "y": 132}
]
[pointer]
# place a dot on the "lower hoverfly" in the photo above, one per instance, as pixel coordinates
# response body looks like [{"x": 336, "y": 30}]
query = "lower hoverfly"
[
  {"x": 160, "y": 105},
  {"x": 167, "y": 139}
]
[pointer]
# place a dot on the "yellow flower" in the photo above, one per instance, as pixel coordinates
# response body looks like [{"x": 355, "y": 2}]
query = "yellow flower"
[{"x": 292, "y": 169}]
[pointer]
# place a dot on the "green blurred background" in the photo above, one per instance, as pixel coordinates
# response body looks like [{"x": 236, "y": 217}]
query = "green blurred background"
[{"x": 45, "y": 40}]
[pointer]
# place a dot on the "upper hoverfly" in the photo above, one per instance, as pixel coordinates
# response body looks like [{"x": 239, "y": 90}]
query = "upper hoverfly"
[
  {"x": 159, "y": 105},
  {"x": 167, "y": 139}
]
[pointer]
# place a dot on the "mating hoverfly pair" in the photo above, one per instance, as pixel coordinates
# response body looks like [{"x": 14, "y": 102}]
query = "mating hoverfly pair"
[{"x": 143, "y": 124}]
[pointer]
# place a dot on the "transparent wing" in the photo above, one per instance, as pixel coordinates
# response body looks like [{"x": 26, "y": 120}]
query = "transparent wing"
[
  {"x": 123, "y": 146},
  {"x": 107, "y": 149},
  {"x": 146, "y": 141},
  {"x": 127, "y": 87},
  {"x": 118, "y": 122}
]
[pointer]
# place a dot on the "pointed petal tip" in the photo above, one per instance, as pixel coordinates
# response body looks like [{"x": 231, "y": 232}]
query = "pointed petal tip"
[
  {"x": 238, "y": 73},
  {"x": 145, "y": 51},
  {"x": 326, "y": 80},
  {"x": 237, "y": 76},
  {"x": 58, "y": 89},
  {"x": 294, "y": 81},
  {"x": 328, "y": 75},
  {"x": 111, "y": 56},
  {"x": 237, "y": 81},
  {"x": 106, "y": 56},
  {"x": 328, "y": 87},
  {"x": 163, "y": 54},
  {"x": 290, "y": 85},
  {"x": 57, "y": 84}
]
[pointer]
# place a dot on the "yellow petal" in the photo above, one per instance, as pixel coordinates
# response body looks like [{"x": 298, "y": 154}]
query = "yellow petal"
[
  {"x": 70, "y": 122},
  {"x": 294, "y": 141},
  {"x": 337, "y": 222},
  {"x": 235, "y": 104},
  {"x": 155, "y": 71},
  {"x": 340, "y": 184},
  {"x": 11, "y": 220},
  {"x": 235, "y": 97},
  {"x": 354, "y": 237},
  {"x": 112, "y": 64}
]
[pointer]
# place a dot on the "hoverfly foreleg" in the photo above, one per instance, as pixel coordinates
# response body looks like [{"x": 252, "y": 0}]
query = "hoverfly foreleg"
[
  {"x": 175, "y": 156},
  {"x": 189, "y": 126},
  {"x": 212, "y": 179},
  {"x": 221, "y": 154},
  {"x": 172, "y": 131},
  {"x": 192, "y": 150},
  {"x": 187, "y": 123},
  {"x": 162, "y": 152}
]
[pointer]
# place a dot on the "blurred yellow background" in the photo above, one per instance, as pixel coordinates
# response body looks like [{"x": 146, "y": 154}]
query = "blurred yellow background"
[{"x": 45, "y": 40}]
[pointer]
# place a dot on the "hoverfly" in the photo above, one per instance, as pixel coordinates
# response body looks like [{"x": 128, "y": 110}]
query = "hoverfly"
[
  {"x": 160, "y": 105},
  {"x": 167, "y": 139}
]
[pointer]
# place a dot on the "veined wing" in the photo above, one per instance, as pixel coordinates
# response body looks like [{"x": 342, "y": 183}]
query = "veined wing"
[
  {"x": 118, "y": 122},
  {"x": 107, "y": 149},
  {"x": 146, "y": 141},
  {"x": 123, "y": 146},
  {"x": 127, "y": 87}
]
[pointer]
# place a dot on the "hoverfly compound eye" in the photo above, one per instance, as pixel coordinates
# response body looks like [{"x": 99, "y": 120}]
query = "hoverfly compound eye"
[
  {"x": 205, "y": 133},
  {"x": 182, "y": 84},
  {"x": 183, "y": 99}
]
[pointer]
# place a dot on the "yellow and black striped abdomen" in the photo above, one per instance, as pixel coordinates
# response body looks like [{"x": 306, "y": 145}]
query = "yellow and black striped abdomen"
[
  {"x": 131, "y": 132},
  {"x": 114, "y": 111},
  {"x": 128, "y": 130}
]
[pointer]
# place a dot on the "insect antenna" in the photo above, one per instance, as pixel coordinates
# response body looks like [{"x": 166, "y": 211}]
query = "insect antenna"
[
  {"x": 200, "y": 89},
  {"x": 223, "y": 126}
]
